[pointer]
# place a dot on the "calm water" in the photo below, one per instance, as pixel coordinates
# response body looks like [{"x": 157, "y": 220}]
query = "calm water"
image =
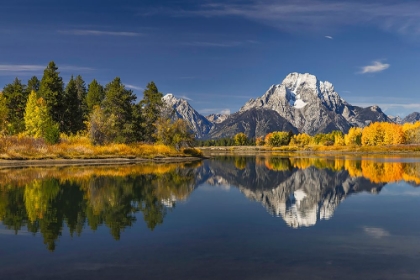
[{"x": 225, "y": 218}]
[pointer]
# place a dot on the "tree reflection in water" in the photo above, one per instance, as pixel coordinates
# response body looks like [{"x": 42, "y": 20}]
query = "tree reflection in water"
[{"x": 300, "y": 190}]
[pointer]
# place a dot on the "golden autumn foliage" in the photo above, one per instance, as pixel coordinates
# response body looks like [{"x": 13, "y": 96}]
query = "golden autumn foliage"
[
  {"x": 376, "y": 172},
  {"x": 353, "y": 137},
  {"x": 80, "y": 147},
  {"x": 412, "y": 132},
  {"x": 377, "y": 134},
  {"x": 301, "y": 140}
]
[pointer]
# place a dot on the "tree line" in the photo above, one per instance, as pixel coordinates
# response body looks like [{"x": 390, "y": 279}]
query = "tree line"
[
  {"x": 375, "y": 134},
  {"x": 107, "y": 114}
]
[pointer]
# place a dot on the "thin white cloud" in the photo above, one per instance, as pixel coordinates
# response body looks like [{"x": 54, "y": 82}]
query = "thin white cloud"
[
  {"x": 375, "y": 67},
  {"x": 225, "y": 112},
  {"x": 134, "y": 87},
  {"x": 82, "y": 32},
  {"x": 12, "y": 69},
  {"x": 329, "y": 37},
  {"x": 212, "y": 44},
  {"x": 376, "y": 232},
  {"x": 21, "y": 68},
  {"x": 214, "y": 111},
  {"x": 185, "y": 97},
  {"x": 291, "y": 15}
]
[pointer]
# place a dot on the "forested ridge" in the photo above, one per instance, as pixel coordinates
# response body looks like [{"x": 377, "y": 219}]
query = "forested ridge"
[{"x": 49, "y": 109}]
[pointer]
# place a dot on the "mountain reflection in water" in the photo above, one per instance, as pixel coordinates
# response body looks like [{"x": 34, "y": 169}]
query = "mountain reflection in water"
[{"x": 300, "y": 190}]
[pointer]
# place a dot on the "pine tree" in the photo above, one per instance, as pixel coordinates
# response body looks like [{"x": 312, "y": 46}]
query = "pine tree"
[
  {"x": 33, "y": 85},
  {"x": 151, "y": 106},
  {"x": 16, "y": 97},
  {"x": 52, "y": 91},
  {"x": 81, "y": 96},
  {"x": 73, "y": 115},
  {"x": 118, "y": 102},
  {"x": 95, "y": 95}
]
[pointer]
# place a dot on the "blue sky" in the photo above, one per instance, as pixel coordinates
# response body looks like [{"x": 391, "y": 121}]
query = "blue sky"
[{"x": 219, "y": 54}]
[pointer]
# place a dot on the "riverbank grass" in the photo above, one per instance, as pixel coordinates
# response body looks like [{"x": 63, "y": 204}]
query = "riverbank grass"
[{"x": 80, "y": 147}]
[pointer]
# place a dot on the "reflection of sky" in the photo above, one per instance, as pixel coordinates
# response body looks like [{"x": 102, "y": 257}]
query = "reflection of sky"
[{"x": 400, "y": 188}]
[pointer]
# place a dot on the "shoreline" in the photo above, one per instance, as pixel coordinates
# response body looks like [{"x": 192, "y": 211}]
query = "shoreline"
[
  {"x": 8, "y": 163},
  {"x": 413, "y": 151}
]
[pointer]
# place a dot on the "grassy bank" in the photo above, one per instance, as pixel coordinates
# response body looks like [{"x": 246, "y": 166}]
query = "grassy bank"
[{"x": 26, "y": 148}]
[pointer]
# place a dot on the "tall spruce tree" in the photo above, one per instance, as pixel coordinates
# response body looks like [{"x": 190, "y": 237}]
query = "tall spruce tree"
[
  {"x": 73, "y": 114},
  {"x": 81, "y": 95},
  {"x": 151, "y": 106},
  {"x": 16, "y": 97},
  {"x": 95, "y": 95},
  {"x": 118, "y": 104},
  {"x": 52, "y": 91},
  {"x": 33, "y": 85}
]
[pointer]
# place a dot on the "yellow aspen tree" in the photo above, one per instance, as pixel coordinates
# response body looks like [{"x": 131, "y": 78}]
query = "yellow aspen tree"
[
  {"x": 4, "y": 112},
  {"x": 30, "y": 115}
]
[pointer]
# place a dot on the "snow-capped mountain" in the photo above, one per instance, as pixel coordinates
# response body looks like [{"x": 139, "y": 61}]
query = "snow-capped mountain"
[
  {"x": 217, "y": 118},
  {"x": 301, "y": 197},
  {"x": 183, "y": 110},
  {"x": 300, "y": 103},
  {"x": 313, "y": 106}
]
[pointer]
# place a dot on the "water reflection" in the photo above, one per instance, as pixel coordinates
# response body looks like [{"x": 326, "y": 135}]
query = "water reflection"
[
  {"x": 44, "y": 200},
  {"x": 301, "y": 191}
]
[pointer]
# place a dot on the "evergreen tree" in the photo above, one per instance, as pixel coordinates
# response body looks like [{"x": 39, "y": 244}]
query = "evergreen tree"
[
  {"x": 95, "y": 95},
  {"x": 151, "y": 106},
  {"x": 118, "y": 103},
  {"x": 81, "y": 95},
  {"x": 51, "y": 90},
  {"x": 33, "y": 85},
  {"x": 73, "y": 115},
  {"x": 16, "y": 97}
]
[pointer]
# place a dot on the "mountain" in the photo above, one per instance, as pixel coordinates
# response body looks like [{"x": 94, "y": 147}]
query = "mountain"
[
  {"x": 217, "y": 118},
  {"x": 396, "y": 119},
  {"x": 300, "y": 103},
  {"x": 301, "y": 197},
  {"x": 254, "y": 122},
  {"x": 183, "y": 110},
  {"x": 413, "y": 117},
  {"x": 313, "y": 106}
]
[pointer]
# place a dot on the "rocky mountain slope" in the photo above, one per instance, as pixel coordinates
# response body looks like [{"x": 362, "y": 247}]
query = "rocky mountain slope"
[
  {"x": 300, "y": 103},
  {"x": 254, "y": 122},
  {"x": 183, "y": 110},
  {"x": 413, "y": 117},
  {"x": 313, "y": 106},
  {"x": 301, "y": 197}
]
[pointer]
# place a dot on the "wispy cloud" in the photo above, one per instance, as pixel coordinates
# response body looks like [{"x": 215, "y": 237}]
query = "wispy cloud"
[
  {"x": 376, "y": 232},
  {"x": 376, "y": 66},
  {"x": 225, "y": 112},
  {"x": 11, "y": 69},
  {"x": 329, "y": 37},
  {"x": 83, "y": 32},
  {"x": 292, "y": 15},
  {"x": 21, "y": 68},
  {"x": 214, "y": 111},
  {"x": 134, "y": 87},
  {"x": 212, "y": 44},
  {"x": 185, "y": 97}
]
